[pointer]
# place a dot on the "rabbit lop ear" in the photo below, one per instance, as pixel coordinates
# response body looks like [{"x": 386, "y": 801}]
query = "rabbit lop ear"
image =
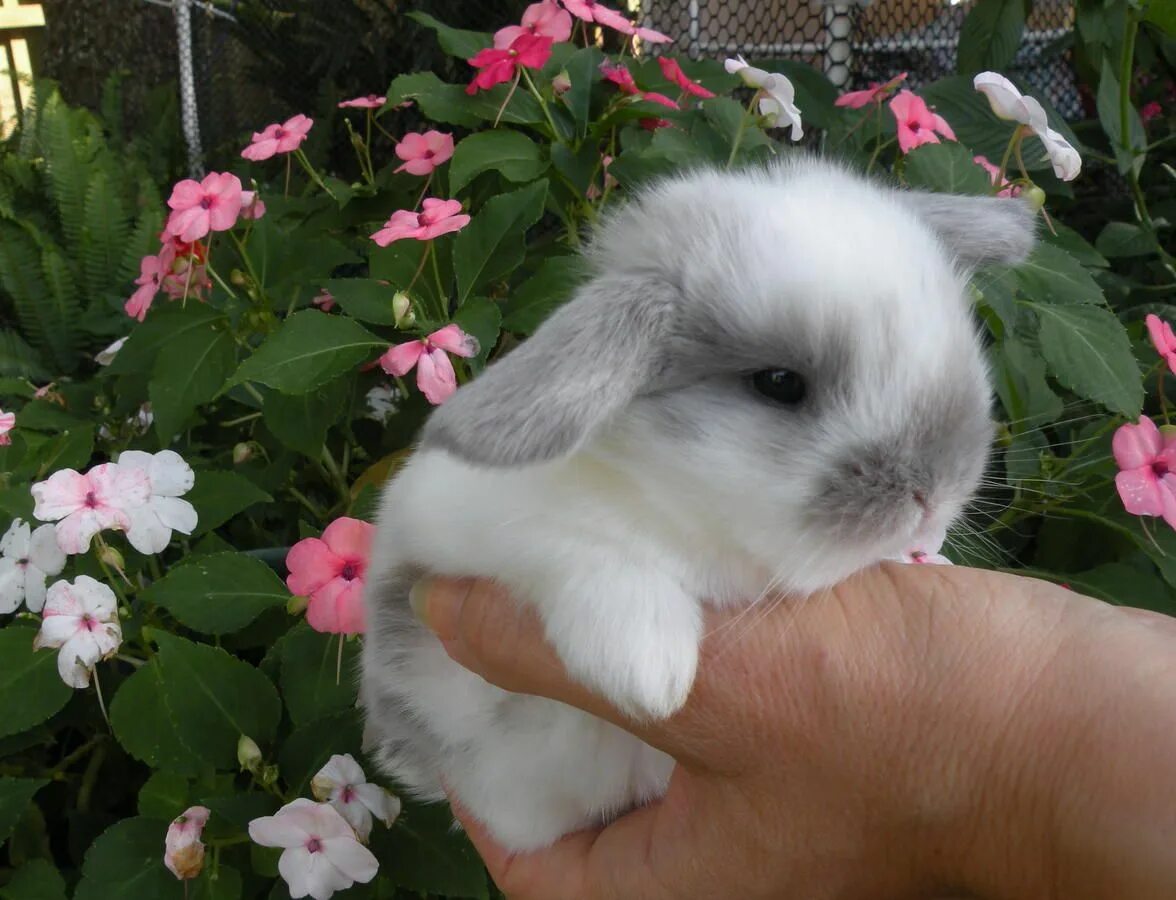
[
  {"x": 978, "y": 230},
  {"x": 548, "y": 396}
]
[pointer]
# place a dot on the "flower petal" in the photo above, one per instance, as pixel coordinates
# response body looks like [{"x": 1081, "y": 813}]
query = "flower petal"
[
  {"x": 351, "y": 858},
  {"x": 435, "y": 377},
  {"x": 1134, "y": 446},
  {"x": 311, "y": 564},
  {"x": 1140, "y": 492},
  {"x": 349, "y": 538}
]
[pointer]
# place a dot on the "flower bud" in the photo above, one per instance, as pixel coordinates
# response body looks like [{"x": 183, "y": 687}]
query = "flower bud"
[
  {"x": 561, "y": 83},
  {"x": 111, "y": 557},
  {"x": 242, "y": 453},
  {"x": 237, "y": 277},
  {"x": 248, "y": 753},
  {"x": 269, "y": 775},
  {"x": 296, "y": 606},
  {"x": 321, "y": 787},
  {"x": 1035, "y": 196},
  {"x": 402, "y": 310}
]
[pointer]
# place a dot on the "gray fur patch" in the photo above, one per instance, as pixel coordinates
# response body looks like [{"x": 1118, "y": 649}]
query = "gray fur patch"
[{"x": 978, "y": 230}]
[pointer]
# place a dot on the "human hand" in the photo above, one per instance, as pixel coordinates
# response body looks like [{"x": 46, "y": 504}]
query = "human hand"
[{"x": 914, "y": 732}]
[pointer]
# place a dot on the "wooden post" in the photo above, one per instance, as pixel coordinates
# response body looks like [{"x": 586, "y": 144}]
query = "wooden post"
[{"x": 16, "y": 67}]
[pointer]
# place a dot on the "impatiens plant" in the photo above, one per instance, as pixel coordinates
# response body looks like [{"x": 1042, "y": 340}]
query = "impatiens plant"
[{"x": 190, "y": 462}]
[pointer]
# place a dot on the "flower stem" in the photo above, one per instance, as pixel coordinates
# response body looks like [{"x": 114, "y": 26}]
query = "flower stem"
[
  {"x": 314, "y": 175},
  {"x": 442, "y": 294},
  {"x": 742, "y": 128},
  {"x": 98, "y": 692},
  {"x": 542, "y": 104},
  {"x": 1014, "y": 143},
  {"x": 216, "y": 277}
]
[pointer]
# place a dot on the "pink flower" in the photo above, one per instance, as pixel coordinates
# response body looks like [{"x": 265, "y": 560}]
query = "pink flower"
[
  {"x": 274, "y": 139},
  {"x": 661, "y": 99},
  {"x": 252, "y": 206},
  {"x": 7, "y": 423},
  {"x": 1007, "y": 189},
  {"x": 320, "y": 853},
  {"x": 544, "y": 19},
  {"x": 183, "y": 851},
  {"x": 673, "y": 72},
  {"x": 1146, "y": 460},
  {"x": 422, "y": 153},
  {"x": 1162, "y": 339},
  {"x": 152, "y": 270},
  {"x": 876, "y": 93},
  {"x": 324, "y": 301},
  {"x": 917, "y": 125},
  {"x": 200, "y": 207},
  {"x": 1149, "y": 111},
  {"x": 371, "y": 101},
  {"x": 620, "y": 76},
  {"x": 82, "y": 619},
  {"x": 437, "y": 217},
  {"x": 435, "y": 375},
  {"x": 495, "y": 66},
  {"x": 177, "y": 283},
  {"x": 330, "y": 571},
  {"x": 652, "y": 37},
  {"x": 83, "y": 505},
  {"x": 591, "y": 11}
]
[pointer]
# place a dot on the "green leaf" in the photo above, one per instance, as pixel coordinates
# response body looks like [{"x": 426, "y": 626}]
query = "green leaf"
[
  {"x": 218, "y": 496},
  {"x": 451, "y": 105},
  {"x": 727, "y": 118},
  {"x": 423, "y": 854},
  {"x": 15, "y": 796},
  {"x": 1022, "y": 386},
  {"x": 990, "y": 35},
  {"x": 1122, "y": 239},
  {"x": 315, "y": 680},
  {"x": 164, "y": 795},
  {"x": 1162, "y": 14},
  {"x": 510, "y": 153},
  {"x": 189, "y": 370},
  {"x": 492, "y": 244},
  {"x": 1051, "y": 275},
  {"x": 38, "y": 879},
  {"x": 366, "y": 299},
  {"x": 480, "y": 317},
  {"x": 455, "y": 41},
  {"x": 143, "y": 723},
  {"x": 1088, "y": 351},
  {"x": 309, "y": 746},
  {"x": 126, "y": 861},
  {"x": 218, "y": 594},
  {"x": 1129, "y": 148},
  {"x": 1073, "y": 243},
  {"x": 583, "y": 68},
  {"x": 301, "y": 421},
  {"x": 1127, "y": 586},
  {"x": 31, "y": 691},
  {"x": 162, "y": 326},
  {"x": 308, "y": 350},
  {"x": 947, "y": 168},
  {"x": 535, "y": 299}
]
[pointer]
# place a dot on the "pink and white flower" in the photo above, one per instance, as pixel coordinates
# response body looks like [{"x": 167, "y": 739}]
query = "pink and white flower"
[
  {"x": 917, "y": 124},
  {"x": 82, "y": 619},
  {"x": 162, "y": 512},
  {"x": 27, "y": 559},
  {"x": 278, "y": 138},
  {"x": 83, "y": 505},
  {"x": 330, "y": 572},
  {"x": 1010, "y": 104},
  {"x": 342, "y": 784},
  {"x": 1147, "y": 470},
  {"x": 422, "y": 153},
  {"x": 199, "y": 207},
  {"x": 321, "y": 854},
  {"x": 437, "y": 217},
  {"x": 435, "y": 375},
  {"x": 545, "y": 19},
  {"x": 183, "y": 851}
]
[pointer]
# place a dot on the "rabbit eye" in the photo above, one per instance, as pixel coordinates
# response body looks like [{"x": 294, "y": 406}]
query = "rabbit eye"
[{"x": 780, "y": 385}]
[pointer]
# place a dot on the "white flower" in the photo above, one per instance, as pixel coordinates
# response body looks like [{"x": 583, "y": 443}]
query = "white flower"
[
  {"x": 27, "y": 558},
  {"x": 341, "y": 783},
  {"x": 162, "y": 512},
  {"x": 183, "y": 851},
  {"x": 106, "y": 357},
  {"x": 778, "y": 94},
  {"x": 1009, "y": 103},
  {"x": 320, "y": 852},
  {"x": 82, "y": 619},
  {"x": 383, "y": 402}
]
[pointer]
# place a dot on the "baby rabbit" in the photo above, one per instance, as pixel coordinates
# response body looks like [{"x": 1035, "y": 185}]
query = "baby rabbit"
[{"x": 771, "y": 380}]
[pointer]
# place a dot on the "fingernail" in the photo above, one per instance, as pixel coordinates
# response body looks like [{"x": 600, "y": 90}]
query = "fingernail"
[{"x": 418, "y": 599}]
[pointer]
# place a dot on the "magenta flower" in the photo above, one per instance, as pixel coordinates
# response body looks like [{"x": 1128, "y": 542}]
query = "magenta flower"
[
  {"x": 620, "y": 76},
  {"x": 83, "y": 505},
  {"x": 200, "y": 207},
  {"x": 422, "y": 153},
  {"x": 324, "y": 300},
  {"x": 435, "y": 375},
  {"x": 330, "y": 572},
  {"x": 183, "y": 851},
  {"x": 1150, "y": 111},
  {"x": 673, "y": 72},
  {"x": 1162, "y": 339},
  {"x": 1146, "y": 460},
  {"x": 371, "y": 101},
  {"x": 274, "y": 139},
  {"x": 82, "y": 619},
  {"x": 662, "y": 100},
  {"x": 544, "y": 19},
  {"x": 496, "y": 66},
  {"x": 1006, "y": 189},
  {"x": 437, "y": 217},
  {"x": 591, "y": 11},
  {"x": 876, "y": 93},
  {"x": 917, "y": 124},
  {"x": 320, "y": 853},
  {"x": 152, "y": 271},
  {"x": 7, "y": 423}
]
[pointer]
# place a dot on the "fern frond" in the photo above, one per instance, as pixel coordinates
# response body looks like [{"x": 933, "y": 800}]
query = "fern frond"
[
  {"x": 62, "y": 144},
  {"x": 104, "y": 235},
  {"x": 61, "y": 307},
  {"x": 18, "y": 359}
]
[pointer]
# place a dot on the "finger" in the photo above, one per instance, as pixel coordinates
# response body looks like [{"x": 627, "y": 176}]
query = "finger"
[{"x": 485, "y": 631}]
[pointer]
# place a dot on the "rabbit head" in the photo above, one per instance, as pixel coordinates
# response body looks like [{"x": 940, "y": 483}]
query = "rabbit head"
[{"x": 786, "y": 358}]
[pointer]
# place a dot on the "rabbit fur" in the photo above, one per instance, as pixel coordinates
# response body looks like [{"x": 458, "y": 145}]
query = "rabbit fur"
[{"x": 617, "y": 471}]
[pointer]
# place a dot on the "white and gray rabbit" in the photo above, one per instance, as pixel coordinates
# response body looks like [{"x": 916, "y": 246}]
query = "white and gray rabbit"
[{"x": 771, "y": 380}]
